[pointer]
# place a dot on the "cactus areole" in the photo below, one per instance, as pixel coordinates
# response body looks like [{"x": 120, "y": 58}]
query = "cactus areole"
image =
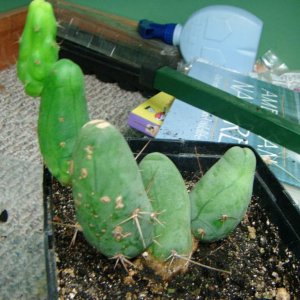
[
  {"x": 111, "y": 203},
  {"x": 220, "y": 199},
  {"x": 63, "y": 111},
  {"x": 38, "y": 49}
]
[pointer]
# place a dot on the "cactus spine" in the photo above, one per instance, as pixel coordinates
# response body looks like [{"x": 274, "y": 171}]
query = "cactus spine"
[
  {"x": 220, "y": 198},
  {"x": 111, "y": 204},
  {"x": 171, "y": 205},
  {"x": 63, "y": 111},
  {"x": 38, "y": 49}
]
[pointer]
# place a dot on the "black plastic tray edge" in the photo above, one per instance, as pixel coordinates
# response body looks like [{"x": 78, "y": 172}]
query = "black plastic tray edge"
[
  {"x": 107, "y": 69},
  {"x": 272, "y": 195},
  {"x": 50, "y": 260}
]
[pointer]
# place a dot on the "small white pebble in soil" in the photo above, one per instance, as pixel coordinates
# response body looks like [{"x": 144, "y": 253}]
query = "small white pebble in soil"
[
  {"x": 274, "y": 274},
  {"x": 262, "y": 250}
]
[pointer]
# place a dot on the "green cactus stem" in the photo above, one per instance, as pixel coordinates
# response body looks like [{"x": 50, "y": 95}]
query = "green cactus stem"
[
  {"x": 111, "y": 203},
  {"x": 220, "y": 199},
  {"x": 171, "y": 205},
  {"x": 63, "y": 111},
  {"x": 38, "y": 49}
]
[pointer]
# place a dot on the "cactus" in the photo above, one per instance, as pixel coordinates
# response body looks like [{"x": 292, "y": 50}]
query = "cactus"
[
  {"x": 171, "y": 205},
  {"x": 220, "y": 199},
  {"x": 38, "y": 49},
  {"x": 63, "y": 111},
  {"x": 111, "y": 203}
]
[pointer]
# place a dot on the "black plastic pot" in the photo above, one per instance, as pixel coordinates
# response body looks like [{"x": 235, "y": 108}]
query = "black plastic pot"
[{"x": 271, "y": 195}]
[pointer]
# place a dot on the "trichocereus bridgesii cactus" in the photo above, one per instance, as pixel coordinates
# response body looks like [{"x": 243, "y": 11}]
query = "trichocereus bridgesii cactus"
[
  {"x": 111, "y": 203},
  {"x": 63, "y": 111},
  {"x": 38, "y": 49},
  {"x": 172, "y": 211},
  {"x": 219, "y": 200}
]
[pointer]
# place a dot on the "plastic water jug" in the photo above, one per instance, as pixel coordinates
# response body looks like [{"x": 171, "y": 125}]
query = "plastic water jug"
[{"x": 225, "y": 35}]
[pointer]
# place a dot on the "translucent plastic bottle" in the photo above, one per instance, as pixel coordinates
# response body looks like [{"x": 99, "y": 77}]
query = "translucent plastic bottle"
[{"x": 225, "y": 35}]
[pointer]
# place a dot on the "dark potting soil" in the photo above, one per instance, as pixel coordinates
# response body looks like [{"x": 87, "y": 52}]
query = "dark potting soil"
[{"x": 261, "y": 268}]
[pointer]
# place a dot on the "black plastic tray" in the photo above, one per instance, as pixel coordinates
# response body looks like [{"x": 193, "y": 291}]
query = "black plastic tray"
[
  {"x": 110, "y": 47},
  {"x": 281, "y": 209}
]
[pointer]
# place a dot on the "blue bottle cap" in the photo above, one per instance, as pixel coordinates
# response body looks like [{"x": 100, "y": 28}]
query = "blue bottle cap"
[{"x": 149, "y": 30}]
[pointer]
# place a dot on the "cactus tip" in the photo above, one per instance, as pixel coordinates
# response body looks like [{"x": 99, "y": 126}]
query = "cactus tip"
[
  {"x": 135, "y": 217},
  {"x": 120, "y": 258},
  {"x": 201, "y": 232},
  {"x": 154, "y": 216},
  {"x": 188, "y": 260}
]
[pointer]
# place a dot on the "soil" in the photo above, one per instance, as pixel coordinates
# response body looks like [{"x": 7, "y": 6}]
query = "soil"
[{"x": 260, "y": 267}]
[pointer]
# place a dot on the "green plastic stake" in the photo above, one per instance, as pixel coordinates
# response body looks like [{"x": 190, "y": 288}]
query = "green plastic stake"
[{"x": 226, "y": 106}]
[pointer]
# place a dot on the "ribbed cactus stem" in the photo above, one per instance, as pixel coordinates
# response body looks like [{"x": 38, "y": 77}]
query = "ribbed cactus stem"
[
  {"x": 170, "y": 200},
  {"x": 38, "y": 49},
  {"x": 220, "y": 199},
  {"x": 110, "y": 200},
  {"x": 63, "y": 111}
]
